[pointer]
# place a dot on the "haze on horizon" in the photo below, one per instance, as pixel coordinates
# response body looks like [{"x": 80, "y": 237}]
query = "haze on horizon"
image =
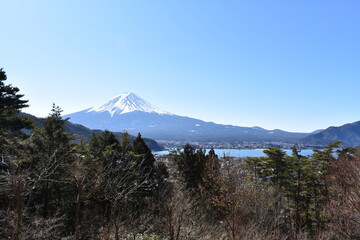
[{"x": 290, "y": 65}]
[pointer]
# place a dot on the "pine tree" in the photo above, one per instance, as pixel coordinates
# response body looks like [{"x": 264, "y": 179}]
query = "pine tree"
[
  {"x": 195, "y": 167},
  {"x": 51, "y": 153},
  {"x": 123, "y": 180},
  {"x": 186, "y": 162},
  {"x": 146, "y": 158},
  {"x": 15, "y": 187},
  {"x": 276, "y": 166},
  {"x": 11, "y": 103},
  {"x": 146, "y": 173},
  {"x": 11, "y": 123},
  {"x": 316, "y": 187}
]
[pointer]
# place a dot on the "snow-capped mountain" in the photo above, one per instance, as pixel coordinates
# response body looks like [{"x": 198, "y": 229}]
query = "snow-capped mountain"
[
  {"x": 129, "y": 112},
  {"x": 126, "y": 103}
]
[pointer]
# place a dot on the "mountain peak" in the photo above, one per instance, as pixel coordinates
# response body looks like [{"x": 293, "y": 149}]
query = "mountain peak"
[{"x": 125, "y": 103}]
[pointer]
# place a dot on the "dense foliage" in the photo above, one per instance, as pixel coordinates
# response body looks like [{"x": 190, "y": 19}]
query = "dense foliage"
[{"x": 52, "y": 187}]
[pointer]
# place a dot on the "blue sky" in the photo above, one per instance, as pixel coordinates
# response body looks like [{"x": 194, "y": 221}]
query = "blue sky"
[{"x": 293, "y": 65}]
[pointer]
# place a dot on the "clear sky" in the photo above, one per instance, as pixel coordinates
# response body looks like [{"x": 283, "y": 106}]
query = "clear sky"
[{"x": 293, "y": 65}]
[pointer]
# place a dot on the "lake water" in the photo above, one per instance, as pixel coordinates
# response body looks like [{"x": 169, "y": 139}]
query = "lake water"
[{"x": 245, "y": 152}]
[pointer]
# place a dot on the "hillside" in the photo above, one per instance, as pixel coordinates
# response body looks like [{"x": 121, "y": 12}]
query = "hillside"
[
  {"x": 85, "y": 133},
  {"x": 348, "y": 134}
]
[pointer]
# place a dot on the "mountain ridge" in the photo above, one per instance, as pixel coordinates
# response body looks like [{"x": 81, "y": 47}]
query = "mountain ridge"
[
  {"x": 348, "y": 134},
  {"x": 133, "y": 114}
]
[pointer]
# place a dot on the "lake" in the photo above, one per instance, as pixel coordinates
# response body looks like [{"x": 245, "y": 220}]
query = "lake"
[{"x": 245, "y": 152}]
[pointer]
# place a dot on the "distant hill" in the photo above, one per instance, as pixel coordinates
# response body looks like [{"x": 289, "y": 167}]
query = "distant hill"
[
  {"x": 129, "y": 112},
  {"x": 348, "y": 134},
  {"x": 86, "y": 133},
  {"x": 317, "y": 131}
]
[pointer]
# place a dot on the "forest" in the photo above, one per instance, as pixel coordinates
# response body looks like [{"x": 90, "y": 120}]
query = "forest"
[{"x": 54, "y": 185}]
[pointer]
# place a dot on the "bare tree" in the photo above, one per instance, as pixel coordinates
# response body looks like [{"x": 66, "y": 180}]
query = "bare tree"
[
  {"x": 343, "y": 209},
  {"x": 246, "y": 208}
]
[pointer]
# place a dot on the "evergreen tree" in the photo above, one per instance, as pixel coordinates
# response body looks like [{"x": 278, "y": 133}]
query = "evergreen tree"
[
  {"x": 122, "y": 181},
  {"x": 296, "y": 187},
  {"x": 125, "y": 143},
  {"x": 11, "y": 103},
  {"x": 276, "y": 166},
  {"x": 316, "y": 187},
  {"x": 146, "y": 162},
  {"x": 197, "y": 169},
  {"x": 301, "y": 181},
  {"x": 11, "y": 123},
  {"x": 14, "y": 185},
  {"x": 140, "y": 148},
  {"x": 188, "y": 166},
  {"x": 212, "y": 161},
  {"x": 210, "y": 175},
  {"x": 149, "y": 176},
  {"x": 51, "y": 153},
  {"x": 105, "y": 150}
]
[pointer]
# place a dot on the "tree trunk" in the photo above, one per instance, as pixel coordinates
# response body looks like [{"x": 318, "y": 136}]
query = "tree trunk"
[
  {"x": 19, "y": 210},
  {"x": 297, "y": 203},
  {"x": 77, "y": 217},
  {"x": 113, "y": 214},
  {"x": 170, "y": 224},
  {"x": 116, "y": 230}
]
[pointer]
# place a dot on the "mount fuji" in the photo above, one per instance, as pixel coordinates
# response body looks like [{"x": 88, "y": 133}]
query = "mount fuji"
[
  {"x": 129, "y": 112},
  {"x": 126, "y": 103}
]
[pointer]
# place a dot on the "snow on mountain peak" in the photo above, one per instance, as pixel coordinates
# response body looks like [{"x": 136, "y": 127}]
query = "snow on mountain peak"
[{"x": 125, "y": 103}]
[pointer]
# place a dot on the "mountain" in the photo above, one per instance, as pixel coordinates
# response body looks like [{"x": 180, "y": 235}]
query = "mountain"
[
  {"x": 126, "y": 103},
  {"x": 129, "y": 112},
  {"x": 349, "y": 134},
  {"x": 86, "y": 133},
  {"x": 317, "y": 131}
]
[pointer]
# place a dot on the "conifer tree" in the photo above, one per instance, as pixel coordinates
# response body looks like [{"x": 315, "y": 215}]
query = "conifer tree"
[
  {"x": 11, "y": 103},
  {"x": 51, "y": 153},
  {"x": 14, "y": 184},
  {"x": 210, "y": 175},
  {"x": 11, "y": 123},
  {"x": 196, "y": 168},
  {"x": 123, "y": 180},
  {"x": 186, "y": 162},
  {"x": 276, "y": 166},
  {"x": 146, "y": 173},
  {"x": 147, "y": 158},
  {"x": 316, "y": 187}
]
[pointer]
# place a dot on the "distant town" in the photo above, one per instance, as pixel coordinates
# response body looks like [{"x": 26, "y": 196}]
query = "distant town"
[{"x": 171, "y": 144}]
